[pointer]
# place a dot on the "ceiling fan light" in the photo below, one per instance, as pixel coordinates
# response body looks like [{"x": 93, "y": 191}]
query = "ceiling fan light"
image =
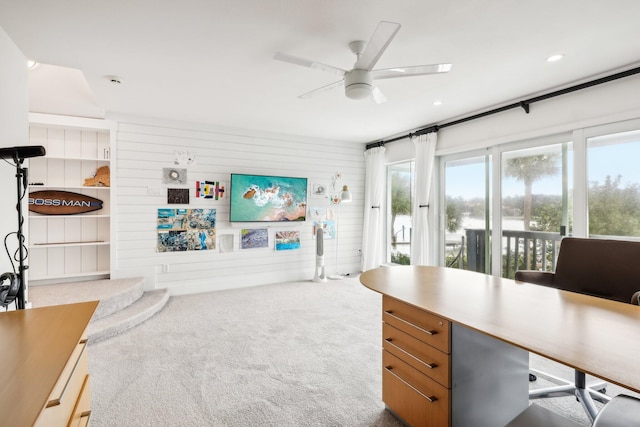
[
  {"x": 358, "y": 84},
  {"x": 358, "y": 91}
]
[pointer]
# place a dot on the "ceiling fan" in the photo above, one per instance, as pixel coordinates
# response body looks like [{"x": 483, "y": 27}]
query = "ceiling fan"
[{"x": 358, "y": 82}]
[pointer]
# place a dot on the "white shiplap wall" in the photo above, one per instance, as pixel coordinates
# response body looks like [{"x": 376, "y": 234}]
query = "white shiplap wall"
[{"x": 145, "y": 148}]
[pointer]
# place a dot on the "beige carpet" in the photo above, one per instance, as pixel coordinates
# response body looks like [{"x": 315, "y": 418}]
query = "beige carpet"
[{"x": 292, "y": 354}]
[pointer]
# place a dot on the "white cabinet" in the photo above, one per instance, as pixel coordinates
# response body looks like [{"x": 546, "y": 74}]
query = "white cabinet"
[{"x": 70, "y": 247}]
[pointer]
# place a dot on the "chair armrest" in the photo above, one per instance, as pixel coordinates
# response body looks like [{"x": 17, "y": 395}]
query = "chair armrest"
[{"x": 544, "y": 278}]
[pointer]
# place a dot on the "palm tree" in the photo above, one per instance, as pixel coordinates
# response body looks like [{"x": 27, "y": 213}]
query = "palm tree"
[{"x": 530, "y": 169}]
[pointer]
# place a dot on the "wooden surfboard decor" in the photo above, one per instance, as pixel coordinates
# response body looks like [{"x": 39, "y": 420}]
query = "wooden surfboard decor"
[{"x": 56, "y": 202}]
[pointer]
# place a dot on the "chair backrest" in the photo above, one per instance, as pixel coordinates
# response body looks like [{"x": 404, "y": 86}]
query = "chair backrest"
[{"x": 604, "y": 268}]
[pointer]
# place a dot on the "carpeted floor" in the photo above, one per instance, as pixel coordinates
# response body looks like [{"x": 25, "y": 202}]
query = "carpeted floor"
[{"x": 292, "y": 354}]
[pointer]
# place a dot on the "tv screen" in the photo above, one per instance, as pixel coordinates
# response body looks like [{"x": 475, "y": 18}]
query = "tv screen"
[{"x": 262, "y": 198}]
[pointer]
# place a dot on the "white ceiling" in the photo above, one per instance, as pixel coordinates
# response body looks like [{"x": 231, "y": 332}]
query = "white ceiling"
[{"x": 211, "y": 61}]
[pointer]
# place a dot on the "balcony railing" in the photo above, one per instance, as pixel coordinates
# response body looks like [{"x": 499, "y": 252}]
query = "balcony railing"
[{"x": 530, "y": 250}]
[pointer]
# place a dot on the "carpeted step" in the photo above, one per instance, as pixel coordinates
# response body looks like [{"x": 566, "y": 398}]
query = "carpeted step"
[
  {"x": 114, "y": 295},
  {"x": 149, "y": 304}
]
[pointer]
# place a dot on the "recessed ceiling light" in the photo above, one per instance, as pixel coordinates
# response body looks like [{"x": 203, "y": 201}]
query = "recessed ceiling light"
[
  {"x": 437, "y": 103},
  {"x": 31, "y": 64},
  {"x": 555, "y": 58}
]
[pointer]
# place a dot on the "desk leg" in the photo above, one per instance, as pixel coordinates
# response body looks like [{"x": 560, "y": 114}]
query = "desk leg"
[{"x": 489, "y": 379}]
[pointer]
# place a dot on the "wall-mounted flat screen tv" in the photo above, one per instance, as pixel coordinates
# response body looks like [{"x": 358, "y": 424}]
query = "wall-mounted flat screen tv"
[{"x": 263, "y": 198}]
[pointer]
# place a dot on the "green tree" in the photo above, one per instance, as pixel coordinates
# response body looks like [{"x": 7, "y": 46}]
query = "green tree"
[
  {"x": 547, "y": 213},
  {"x": 400, "y": 197},
  {"x": 613, "y": 211},
  {"x": 454, "y": 210},
  {"x": 530, "y": 169}
]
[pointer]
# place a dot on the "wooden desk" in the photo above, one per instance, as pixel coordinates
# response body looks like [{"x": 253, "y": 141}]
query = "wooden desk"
[
  {"x": 43, "y": 380},
  {"x": 595, "y": 335}
]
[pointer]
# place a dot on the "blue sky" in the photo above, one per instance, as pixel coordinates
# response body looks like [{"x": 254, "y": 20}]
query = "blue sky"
[{"x": 620, "y": 159}]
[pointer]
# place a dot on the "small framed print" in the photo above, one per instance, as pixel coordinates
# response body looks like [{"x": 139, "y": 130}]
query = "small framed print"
[{"x": 319, "y": 190}]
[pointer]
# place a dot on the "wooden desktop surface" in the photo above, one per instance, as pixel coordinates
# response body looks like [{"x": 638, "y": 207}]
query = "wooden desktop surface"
[
  {"x": 36, "y": 345},
  {"x": 595, "y": 335}
]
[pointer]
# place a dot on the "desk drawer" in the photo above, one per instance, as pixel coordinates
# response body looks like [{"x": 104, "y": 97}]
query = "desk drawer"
[
  {"x": 82, "y": 411},
  {"x": 62, "y": 400},
  {"x": 425, "y": 326},
  {"x": 413, "y": 396},
  {"x": 428, "y": 360}
]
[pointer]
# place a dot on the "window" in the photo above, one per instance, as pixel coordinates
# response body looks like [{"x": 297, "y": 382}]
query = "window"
[
  {"x": 534, "y": 206},
  {"x": 400, "y": 178},
  {"x": 466, "y": 206},
  {"x": 531, "y": 193},
  {"x": 613, "y": 191}
]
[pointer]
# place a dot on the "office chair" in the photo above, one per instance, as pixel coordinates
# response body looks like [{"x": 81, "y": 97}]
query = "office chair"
[
  {"x": 621, "y": 411},
  {"x": 602, "y": 268}
]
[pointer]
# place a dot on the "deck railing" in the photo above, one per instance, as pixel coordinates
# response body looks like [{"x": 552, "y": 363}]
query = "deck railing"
[{"x": 521, "y": 250}]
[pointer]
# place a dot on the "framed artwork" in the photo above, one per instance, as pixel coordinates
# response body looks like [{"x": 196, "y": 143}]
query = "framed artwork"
[
  {"x": 178, "y": 196},
  {"x": 252, "y": 238},
  {"x": 319, "y": 190},
  {"x": 214, "y": 190},
  {"x": 186, "y": 230},
  {"x": 174, "y": 176},
  {"x": 226, "y": 242},
  {"x": 287, "y": 240},
  {"x": 317, "y": 214}
]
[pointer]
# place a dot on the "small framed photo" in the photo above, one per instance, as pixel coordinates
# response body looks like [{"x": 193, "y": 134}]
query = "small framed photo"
[{"x": 319, "y": 190}]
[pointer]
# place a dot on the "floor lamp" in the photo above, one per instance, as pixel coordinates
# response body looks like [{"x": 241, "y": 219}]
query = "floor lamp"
[{"x": 343, "y": 197}]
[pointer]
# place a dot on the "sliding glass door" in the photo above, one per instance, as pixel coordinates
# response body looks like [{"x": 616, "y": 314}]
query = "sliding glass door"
[
  {"x": 508, "y": 210},
  {"x": 400, "y": 184},
  {"x": 535, "y": 200},
  {"x": 467, "y": 204}
]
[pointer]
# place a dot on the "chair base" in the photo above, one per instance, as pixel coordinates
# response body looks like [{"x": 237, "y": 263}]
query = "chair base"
[{"x": 585, "y": 393}]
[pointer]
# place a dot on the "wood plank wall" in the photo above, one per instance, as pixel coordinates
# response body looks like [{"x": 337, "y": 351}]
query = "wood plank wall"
[{"x": 145, "y": 149}]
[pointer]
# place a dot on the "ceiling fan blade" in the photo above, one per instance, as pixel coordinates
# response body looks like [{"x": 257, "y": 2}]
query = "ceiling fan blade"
[
  {"x": 378, "y": 96},
  {"x": 418, "y": 70},
  {"x": 308, "y": 63},
  {"x": 322, "y": 89},
  {"x": 376, "y": 46}
]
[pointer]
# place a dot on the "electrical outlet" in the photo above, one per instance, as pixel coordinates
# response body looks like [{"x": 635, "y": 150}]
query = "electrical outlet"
[{"x": 165, "y": 268}]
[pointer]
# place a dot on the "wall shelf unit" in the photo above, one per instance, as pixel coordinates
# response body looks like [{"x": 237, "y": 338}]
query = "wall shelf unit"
[{"x": 71, "y": 247}]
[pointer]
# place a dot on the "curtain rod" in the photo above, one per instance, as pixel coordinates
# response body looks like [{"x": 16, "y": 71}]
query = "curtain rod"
[{"x": 521, "y": 104}]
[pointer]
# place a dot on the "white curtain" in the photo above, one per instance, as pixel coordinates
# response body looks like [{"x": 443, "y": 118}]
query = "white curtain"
[
  {"x": 425, "y": 147},
  {"x": 373, "y": 231}
]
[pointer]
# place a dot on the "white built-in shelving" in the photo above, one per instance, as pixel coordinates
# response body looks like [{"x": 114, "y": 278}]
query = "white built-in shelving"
[{"x": 71, "y": 247}]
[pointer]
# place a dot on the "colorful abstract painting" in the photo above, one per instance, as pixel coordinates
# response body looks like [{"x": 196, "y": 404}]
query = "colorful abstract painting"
[
  {"x": 287, "y": 240},
  {"x": 214, "y": 190}
]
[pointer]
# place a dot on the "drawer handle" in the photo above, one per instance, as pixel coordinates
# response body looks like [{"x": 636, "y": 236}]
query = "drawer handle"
[
  {"x": 56, "y": 402},
  {"x": 84, "y": 418},
  {"x": 428, "y": 365},
  {"x": 429, "y": 398},
  {"x": 432, "y": 332}
]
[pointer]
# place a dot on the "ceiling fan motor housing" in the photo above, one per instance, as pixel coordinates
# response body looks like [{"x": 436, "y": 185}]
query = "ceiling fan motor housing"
[{"x": 358, "y": 84}]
